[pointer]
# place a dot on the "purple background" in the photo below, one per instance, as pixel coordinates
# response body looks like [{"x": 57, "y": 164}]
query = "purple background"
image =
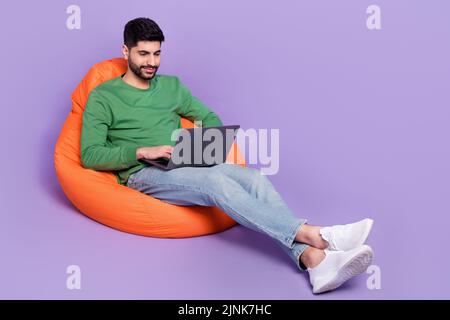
[{"x": 363, "y": 118}]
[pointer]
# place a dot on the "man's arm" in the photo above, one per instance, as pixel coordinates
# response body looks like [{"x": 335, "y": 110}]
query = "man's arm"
[
  {"x": 193, "y": 109},
  {"x": 94, "y": 152}
]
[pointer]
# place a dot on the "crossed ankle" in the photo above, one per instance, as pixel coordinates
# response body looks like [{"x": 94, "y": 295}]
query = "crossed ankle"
[
  {"x": 312, "y": 257},
  {"x": 311, "y": 235},
  {"x": 321, "y": 244}
]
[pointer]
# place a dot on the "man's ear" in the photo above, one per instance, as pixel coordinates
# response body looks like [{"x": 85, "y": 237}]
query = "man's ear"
[{"x": 125, "y": 51}]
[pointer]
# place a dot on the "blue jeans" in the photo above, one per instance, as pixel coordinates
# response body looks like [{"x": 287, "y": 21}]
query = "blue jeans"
[{"x": 246, "y": 195}]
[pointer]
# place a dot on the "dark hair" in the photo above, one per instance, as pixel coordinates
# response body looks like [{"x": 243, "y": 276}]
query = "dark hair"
[{"x": 141, "y": 29}]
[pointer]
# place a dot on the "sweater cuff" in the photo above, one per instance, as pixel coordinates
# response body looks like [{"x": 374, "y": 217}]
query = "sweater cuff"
[{"x": 129, "y": 156}]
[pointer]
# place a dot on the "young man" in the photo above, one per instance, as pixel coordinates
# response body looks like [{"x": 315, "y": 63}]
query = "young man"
[{"x": 133, "y": 116}]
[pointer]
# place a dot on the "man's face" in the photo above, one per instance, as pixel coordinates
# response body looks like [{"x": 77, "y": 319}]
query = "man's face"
[{"x": 144, "y": 59}]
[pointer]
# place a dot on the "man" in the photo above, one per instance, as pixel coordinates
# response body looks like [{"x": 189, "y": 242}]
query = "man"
[{"x": 133, "y": 116}]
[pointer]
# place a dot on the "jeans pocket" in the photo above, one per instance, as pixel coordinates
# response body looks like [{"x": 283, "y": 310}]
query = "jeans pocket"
[
  {"x": 145, "y": 176},
  {"x": 130, "y": 180}
]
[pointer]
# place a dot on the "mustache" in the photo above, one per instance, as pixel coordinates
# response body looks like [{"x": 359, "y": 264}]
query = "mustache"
[{"x": 153, "y": 67}]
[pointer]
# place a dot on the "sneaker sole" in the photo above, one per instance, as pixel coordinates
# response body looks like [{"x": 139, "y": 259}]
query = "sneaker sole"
[{"x": 355, "y": 266}]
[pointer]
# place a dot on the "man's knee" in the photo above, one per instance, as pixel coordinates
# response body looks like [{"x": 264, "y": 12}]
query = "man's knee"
[
  {"x": 219, "y": 183},
  {"x": 215, "y": 177},
  {"x": 255, "y": 175}
]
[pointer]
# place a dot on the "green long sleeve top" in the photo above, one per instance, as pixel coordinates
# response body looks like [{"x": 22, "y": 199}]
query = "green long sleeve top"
[{"x": 120, "y": 118}]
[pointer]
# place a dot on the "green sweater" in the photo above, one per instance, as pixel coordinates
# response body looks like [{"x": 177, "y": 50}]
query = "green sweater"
[{"x": 120, "y": 118}]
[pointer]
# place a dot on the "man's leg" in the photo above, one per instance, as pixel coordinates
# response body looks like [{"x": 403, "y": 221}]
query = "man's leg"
[
  {"x": 213, "y": 186},
  {"x": 260, "y": 187}
]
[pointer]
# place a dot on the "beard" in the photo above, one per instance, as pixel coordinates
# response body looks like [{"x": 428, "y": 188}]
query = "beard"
[{"x": 139, "y": 70}]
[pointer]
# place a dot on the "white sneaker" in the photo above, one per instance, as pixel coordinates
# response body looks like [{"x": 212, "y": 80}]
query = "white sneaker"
[
  {"x": 338, "y": 267},
  {"x": 348, "y": 236}
]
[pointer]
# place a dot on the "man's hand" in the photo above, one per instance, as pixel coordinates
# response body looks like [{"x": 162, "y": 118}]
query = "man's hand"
[{"x": 154, "y": 152}]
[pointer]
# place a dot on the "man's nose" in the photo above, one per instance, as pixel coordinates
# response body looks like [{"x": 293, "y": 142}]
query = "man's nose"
[{"x": 151, "y": 62}]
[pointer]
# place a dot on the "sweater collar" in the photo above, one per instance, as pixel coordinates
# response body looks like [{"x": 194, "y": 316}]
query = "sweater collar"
[{"x": 152, "y": 84}]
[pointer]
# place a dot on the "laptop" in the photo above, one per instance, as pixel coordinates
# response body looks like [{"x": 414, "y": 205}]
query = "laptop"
[{"x": 198, "y": 147}]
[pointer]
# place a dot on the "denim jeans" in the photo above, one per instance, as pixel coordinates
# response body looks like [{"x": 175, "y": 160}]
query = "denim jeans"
[{"x": 244, "y": 194}]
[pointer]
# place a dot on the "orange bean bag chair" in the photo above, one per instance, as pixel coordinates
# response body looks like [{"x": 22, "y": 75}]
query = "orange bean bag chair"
[{"x": 98, "y": 195}]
